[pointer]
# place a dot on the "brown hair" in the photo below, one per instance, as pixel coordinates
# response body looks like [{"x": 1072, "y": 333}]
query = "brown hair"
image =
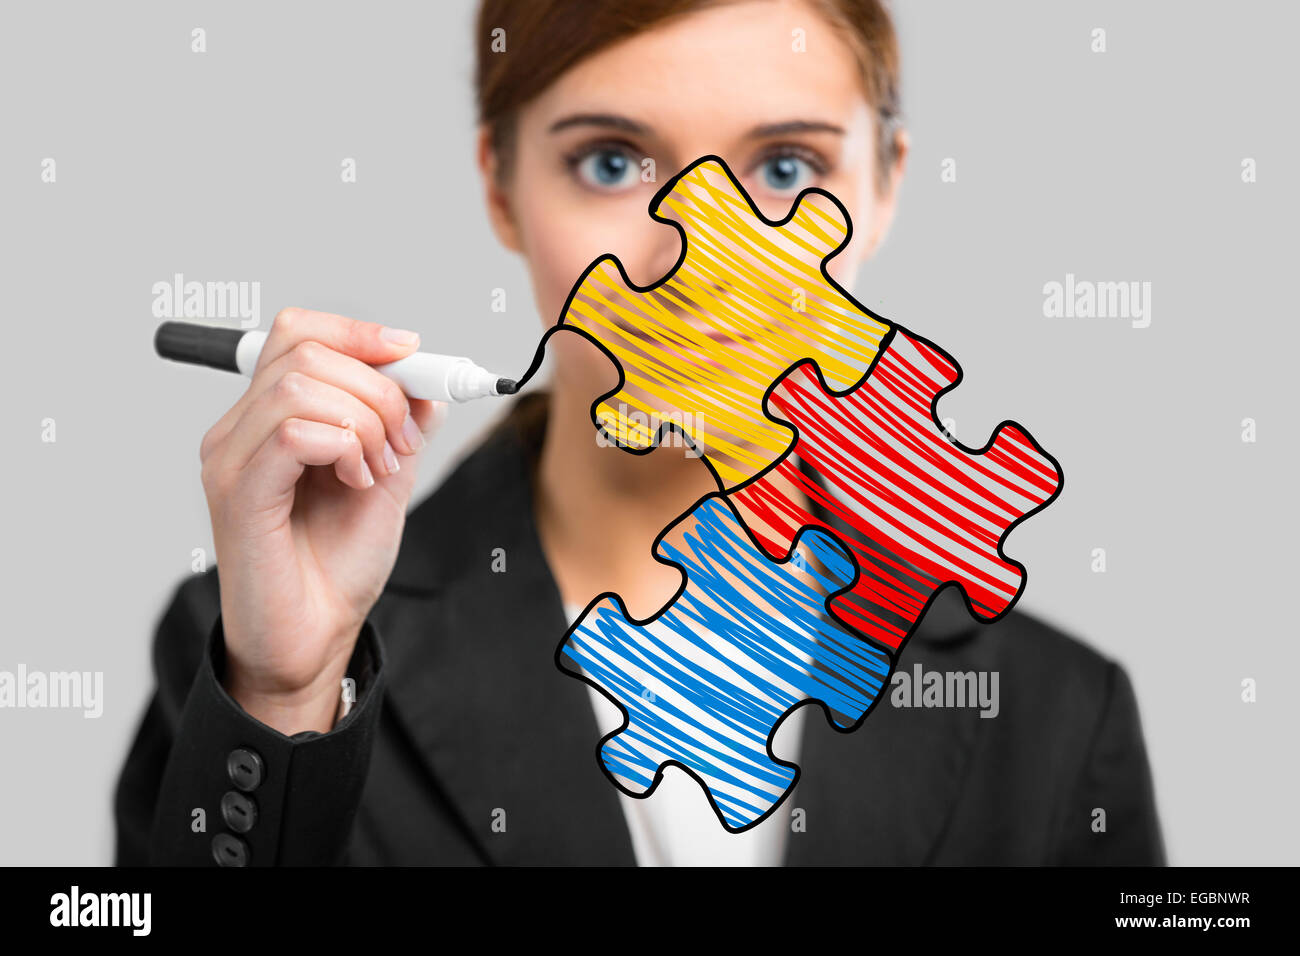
[{"x": 546, "y": 37}]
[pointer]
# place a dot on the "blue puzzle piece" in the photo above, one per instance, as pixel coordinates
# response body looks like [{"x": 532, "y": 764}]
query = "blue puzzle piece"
[{"x": 704, "y": 683}]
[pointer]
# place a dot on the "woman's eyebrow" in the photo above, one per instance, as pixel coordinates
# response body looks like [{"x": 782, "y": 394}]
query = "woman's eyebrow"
[
  {"x": 793, "y": 126},
  {"x": 603, "y": 120}
]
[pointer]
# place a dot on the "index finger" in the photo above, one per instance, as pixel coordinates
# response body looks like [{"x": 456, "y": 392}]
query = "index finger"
[{"x": 370, "y": 342}]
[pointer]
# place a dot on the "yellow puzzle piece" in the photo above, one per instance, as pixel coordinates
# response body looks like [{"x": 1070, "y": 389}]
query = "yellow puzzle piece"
[{"x": 747, "y": 300}]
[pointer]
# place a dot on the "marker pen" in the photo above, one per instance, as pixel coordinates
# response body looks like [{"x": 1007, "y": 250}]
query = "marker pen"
[{"x": 442, "y": 378}]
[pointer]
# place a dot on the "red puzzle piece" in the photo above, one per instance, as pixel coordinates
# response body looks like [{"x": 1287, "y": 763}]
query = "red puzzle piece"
[{"x": 925, "y": 511}]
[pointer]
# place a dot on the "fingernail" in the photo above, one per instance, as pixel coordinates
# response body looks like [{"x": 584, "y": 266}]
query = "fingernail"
[
  {"x": 399, "y": 336},
  {"x": 366, "y": 476},
  {"x": 411, "y": 434},
  {"x": 390, "y": 460}
]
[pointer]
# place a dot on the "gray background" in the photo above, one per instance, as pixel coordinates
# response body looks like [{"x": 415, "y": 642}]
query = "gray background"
[{"x": 1121, "y": 166}]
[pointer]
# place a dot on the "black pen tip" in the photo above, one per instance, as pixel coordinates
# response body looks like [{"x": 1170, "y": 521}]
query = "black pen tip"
[{"x": 507, "y": 386}]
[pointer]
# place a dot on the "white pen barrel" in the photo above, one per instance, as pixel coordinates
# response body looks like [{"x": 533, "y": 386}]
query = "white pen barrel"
[
  {"x": 426, "y": 375},
  {"x": 247, "y": 351},
  {"x": 440, "y": 378}
]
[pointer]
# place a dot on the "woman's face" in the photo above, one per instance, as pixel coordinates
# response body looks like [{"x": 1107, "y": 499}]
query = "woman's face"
[{"x": 725, "y": 80}]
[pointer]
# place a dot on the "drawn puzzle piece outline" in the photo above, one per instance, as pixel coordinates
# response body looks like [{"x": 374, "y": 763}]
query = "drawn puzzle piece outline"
[
  {"x": 1002, "y": 431},
  {"x": 868, "y": 648},
  {"x": 854, "y": 309},
  {"x": 834, "y": 536}
]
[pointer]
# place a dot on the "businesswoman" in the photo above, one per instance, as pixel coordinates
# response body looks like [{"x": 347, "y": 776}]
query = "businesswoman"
[{"x": 353, "y": 684}]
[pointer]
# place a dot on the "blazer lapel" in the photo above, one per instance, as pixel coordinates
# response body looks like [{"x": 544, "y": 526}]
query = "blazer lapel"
[
  {"x": 882, "y": 794},
  {"x": 473, "y": 677},
  {"x": 473, "y": 680}
]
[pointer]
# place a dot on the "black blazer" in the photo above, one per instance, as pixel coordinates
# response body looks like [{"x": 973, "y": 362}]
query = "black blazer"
[{"x": 463, "y": 722}]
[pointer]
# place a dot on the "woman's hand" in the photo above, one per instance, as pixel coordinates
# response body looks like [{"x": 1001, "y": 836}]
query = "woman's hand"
[{"x": 307, "y": 478}]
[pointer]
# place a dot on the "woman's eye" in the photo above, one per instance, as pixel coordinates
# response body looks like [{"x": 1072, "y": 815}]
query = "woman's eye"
[
  {"x": 606, "y": 169},
  {"x": 785, "y": 173}
]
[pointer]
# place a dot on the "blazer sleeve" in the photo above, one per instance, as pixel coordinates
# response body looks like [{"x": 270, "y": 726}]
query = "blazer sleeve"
[
  {"x": 267, "y": 799},
  {"x": 1116, "y": 778}
]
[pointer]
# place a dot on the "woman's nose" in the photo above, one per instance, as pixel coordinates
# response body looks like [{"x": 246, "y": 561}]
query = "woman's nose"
[
  {"x": 691, "y": 236},
  {"x": 659, "y": 249}
]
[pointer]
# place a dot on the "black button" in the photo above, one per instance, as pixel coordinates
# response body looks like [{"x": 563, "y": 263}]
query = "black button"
[
  {"x": 239, "y": 811},
  {"x": 229, "y": 850},
  {"x": 245, "y": 769}
]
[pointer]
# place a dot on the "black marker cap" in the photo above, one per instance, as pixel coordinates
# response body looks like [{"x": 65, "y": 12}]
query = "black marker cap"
[{"x": 198, "y": 344}]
